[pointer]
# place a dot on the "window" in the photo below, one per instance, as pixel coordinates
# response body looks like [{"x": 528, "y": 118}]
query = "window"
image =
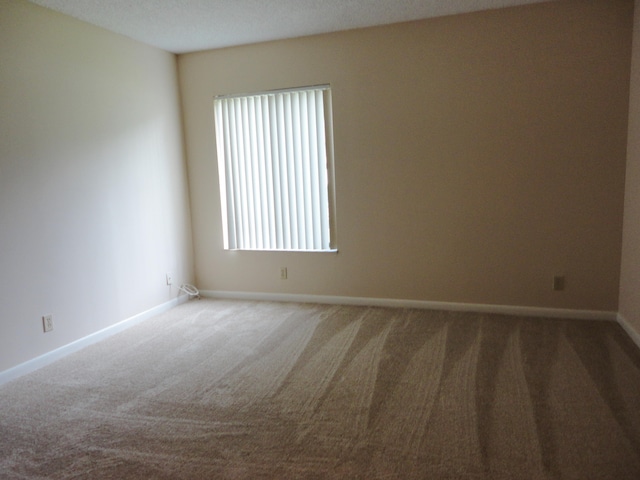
[{"x": 275, "y": 163}]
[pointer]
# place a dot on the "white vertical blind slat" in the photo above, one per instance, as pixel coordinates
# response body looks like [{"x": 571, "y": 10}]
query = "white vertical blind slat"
[
  {"x": 299, "y": 169},
  {"x": 323, "y": 181},
  {"x": 222, "y": 149},
  {"x": 313, "y": 169},
  {"x": 292, "y": 180},
  {"x": 241, "y": 194},
  {"x": 261, "y": 174},
  {"x": 284, "y": 164},
  {"x": 239, "y": 207},
  {"x": 305, "y": 140},
  {"x": 253, "y": 184},
  {"x": 277, "y": 189},
  {"x": 269, "y": 181}
]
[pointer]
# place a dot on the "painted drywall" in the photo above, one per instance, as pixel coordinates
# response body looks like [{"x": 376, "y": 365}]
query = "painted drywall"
[
  {"x": 93, "y": 192},
  {"x": 476, "y": 156},
  {"x": 630, "y": 275}
]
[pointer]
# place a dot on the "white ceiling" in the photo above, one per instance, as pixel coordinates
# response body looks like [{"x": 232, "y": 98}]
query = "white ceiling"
[{"x": 182, "y": 26}]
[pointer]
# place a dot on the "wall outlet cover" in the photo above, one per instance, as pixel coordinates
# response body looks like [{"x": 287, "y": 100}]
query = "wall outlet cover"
[
  {"x": 47, "y": 323},
  {"x": 558, "y": 283}
]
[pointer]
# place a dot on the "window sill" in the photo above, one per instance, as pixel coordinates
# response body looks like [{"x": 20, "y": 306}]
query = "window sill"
[{"x": 334, "y": 250}]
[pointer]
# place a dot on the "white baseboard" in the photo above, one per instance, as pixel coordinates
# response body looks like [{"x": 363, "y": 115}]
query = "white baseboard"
[
  {"x": 390, "y": 302},
  {"x": 50, "y": 357},
  {"x": 635, "y": 335}
]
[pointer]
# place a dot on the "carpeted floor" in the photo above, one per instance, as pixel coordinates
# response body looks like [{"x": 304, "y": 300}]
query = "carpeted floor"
[{"x": 259, "y": 390}]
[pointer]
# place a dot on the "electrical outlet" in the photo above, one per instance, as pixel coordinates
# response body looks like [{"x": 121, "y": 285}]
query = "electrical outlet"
[
  {"x": 47, "y": 323},
  {"x": 283, "y": 273},
  {"x": 168, "y": 279},
  {"x": 558, "y": 282}
]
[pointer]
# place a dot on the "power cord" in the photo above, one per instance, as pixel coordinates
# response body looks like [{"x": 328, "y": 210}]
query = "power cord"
[{"x": 190, "y": 290}]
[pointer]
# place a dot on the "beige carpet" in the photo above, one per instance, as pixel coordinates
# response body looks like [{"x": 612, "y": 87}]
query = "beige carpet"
[{"x": 249, "y": 390}]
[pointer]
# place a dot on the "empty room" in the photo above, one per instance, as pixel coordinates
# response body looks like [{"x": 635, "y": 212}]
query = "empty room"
[{"x": 341, "y": 239}]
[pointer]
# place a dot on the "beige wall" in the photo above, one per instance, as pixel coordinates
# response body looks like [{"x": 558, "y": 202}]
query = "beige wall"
[
  {"x": 93, "y": 193},
  {"x": 630, "y": 277},
  {"x": 476, "y": 156}
]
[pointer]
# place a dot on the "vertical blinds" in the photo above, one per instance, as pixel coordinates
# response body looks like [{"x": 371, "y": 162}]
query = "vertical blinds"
[{"x": 274, "y": 178}]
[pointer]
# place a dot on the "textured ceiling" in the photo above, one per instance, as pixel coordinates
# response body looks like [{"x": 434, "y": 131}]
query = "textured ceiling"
[{"x": 181, "y": 26}]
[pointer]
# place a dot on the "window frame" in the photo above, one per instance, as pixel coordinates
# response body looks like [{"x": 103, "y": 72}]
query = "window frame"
[{"x": 229, "y": 228}]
